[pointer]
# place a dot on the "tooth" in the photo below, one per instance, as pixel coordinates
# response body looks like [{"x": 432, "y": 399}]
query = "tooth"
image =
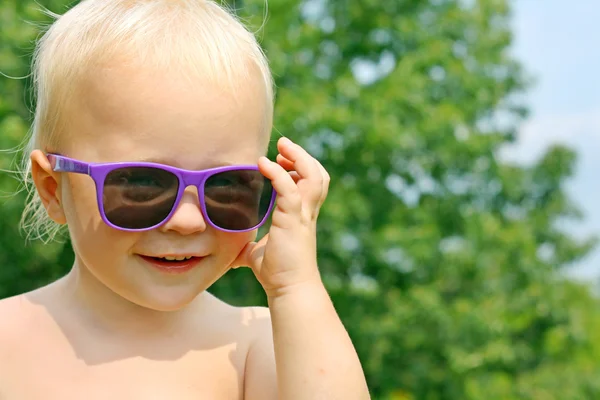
[{"x": 169, "y": 258}]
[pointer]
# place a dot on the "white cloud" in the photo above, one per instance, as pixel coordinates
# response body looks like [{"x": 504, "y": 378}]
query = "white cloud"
[
  {"x": 565, "y": 101},
  {"x": 579, "y": 130}
]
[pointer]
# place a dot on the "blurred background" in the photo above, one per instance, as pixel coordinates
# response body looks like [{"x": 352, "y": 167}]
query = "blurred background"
[{"x": 458, "y": 241}]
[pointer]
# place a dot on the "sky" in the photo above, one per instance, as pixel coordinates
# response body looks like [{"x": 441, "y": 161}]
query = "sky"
[{"x": 559, "y": 44}]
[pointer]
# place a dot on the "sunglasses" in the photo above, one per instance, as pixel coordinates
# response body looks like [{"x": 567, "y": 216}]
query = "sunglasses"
[{"x": 139, "y": 196}]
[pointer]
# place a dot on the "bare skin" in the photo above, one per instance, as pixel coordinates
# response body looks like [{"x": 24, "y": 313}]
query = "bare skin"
[
  {"x": 49, "y": 349},
  {"x": 119, "y": 328}
]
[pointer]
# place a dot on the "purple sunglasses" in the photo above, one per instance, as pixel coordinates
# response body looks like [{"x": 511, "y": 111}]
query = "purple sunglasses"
[{"x": 139, "y": 196}]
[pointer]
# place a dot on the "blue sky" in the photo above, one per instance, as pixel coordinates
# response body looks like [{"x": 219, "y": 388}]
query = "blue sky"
[{"x": 559, "y": 43}]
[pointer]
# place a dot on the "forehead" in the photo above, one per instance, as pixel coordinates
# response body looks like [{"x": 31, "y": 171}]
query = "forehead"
[{"x": 130, "y": 114}]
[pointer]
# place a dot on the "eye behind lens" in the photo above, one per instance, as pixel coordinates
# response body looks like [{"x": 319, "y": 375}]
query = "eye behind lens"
[
  {"x": 240, "y": 205},
  {"x": 139, "y": 197}
]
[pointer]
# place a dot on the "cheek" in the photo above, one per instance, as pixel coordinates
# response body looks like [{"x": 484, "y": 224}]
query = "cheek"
[
  {"x": 79, "y": 198},
  {"x": 89, "y": 234},
  {"x": 231, "y": 244}
]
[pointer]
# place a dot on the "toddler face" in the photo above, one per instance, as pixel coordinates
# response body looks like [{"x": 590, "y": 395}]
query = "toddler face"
[{"x": 129, "y": 114}]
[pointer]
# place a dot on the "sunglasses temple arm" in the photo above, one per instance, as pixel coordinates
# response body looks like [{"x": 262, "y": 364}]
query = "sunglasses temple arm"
[{"x": 65, "y": 164}]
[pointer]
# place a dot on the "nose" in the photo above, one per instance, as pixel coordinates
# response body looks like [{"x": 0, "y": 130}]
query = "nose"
[{"x": 187, "y": 218}]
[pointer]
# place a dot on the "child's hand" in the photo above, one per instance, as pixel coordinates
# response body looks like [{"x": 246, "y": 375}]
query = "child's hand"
[
  {"x": 287, "y": 256},
  {"x": 285, "y": 263}
]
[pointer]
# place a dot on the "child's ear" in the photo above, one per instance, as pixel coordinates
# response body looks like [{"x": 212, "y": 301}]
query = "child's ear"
[{"x": 47, "y": 182}]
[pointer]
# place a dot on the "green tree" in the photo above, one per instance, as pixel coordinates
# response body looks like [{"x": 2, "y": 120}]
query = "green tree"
[
  {"x": 443, "y": 262},
  {"x": 24, "y": 266}
]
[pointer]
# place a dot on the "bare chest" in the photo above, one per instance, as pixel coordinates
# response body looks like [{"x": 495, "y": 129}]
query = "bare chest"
[{"x": 31, "y": 373}]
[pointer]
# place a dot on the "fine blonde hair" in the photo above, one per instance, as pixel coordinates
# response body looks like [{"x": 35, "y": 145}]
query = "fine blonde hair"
[{"x": 196, "y": 37}]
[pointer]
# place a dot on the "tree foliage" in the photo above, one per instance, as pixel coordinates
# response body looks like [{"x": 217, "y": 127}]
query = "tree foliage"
[{"x": 443, "y": 261}]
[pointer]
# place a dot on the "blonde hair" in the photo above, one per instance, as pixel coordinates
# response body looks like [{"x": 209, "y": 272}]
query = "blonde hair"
[{"x": 196, "y": 37}]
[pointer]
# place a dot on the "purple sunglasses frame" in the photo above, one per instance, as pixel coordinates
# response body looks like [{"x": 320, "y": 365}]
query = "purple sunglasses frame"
[{"x": 99, "y": 171}]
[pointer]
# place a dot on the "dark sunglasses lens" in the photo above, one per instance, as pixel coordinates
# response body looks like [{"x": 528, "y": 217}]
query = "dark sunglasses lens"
[
  {"x": 237, "y": 200},
  {"x": 139, "y": 197}
]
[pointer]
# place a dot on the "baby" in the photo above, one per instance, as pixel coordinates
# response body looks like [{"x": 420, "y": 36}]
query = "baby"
[{"x": 152, "y": 124}]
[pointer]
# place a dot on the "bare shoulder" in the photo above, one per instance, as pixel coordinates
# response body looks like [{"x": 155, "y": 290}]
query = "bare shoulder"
[
  {"x": 254, "y": 330},
  {"x": 22, "y": 318},
  {"x": 15, "y": 315},
  {"x": 17, "y": 321},
  {"x": 247, "y": 323},
  {"x": 257, "y": 318},
  {"x": 260, "y": 375}
]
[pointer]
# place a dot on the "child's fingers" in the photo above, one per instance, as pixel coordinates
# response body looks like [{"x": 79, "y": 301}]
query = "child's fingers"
[
  {"x": 325, "y": 184},
  {"x": 311, "y": 184},
  {"x": 244, "y": 258},
  {"x": 288, "y": 165},
  {"x": 257, "y": 254},
  {"x": 295, "y": 176},
  {"x": 251, "y": 255},
  {"x": 285, "y": 163},
  {"x": 289, "y": 199}
]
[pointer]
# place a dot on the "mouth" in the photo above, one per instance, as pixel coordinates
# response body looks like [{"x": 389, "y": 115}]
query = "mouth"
[{"x": 173, "y": 264}]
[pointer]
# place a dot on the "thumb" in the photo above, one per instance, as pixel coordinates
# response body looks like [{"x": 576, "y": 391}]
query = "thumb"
[
  {"x": 244, "y": 259},
  {"x": 252, "y": 255}
]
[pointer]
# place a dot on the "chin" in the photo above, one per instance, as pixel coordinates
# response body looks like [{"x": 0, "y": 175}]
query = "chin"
[
  {"x": 166, "y": 299},
  {"x": 172, "y": 292}
]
